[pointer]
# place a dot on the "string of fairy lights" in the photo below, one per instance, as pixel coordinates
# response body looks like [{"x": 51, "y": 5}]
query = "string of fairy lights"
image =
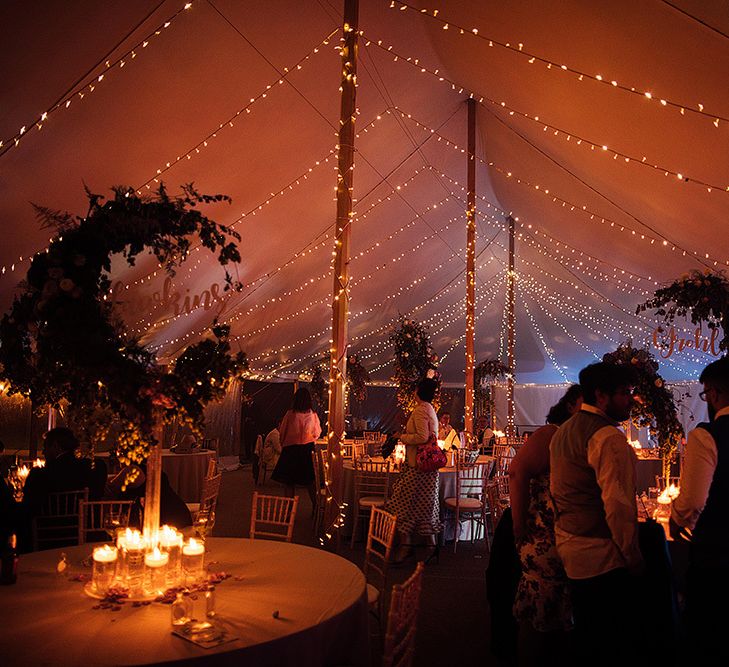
[
  {"x": 555, "y": 131},
  {"x": 80, "y": 93},
  {"x": 642, "y": 92}
]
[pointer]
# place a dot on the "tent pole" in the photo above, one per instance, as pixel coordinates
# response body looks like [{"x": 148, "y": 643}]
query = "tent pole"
[
  {"x": 510, "y": 427},
  {"x": 340, "y": 294},
  {"x": 470, "y": 263}
]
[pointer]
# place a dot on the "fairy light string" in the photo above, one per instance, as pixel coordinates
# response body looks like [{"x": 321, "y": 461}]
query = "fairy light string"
[{"x": 642, "y": 92}]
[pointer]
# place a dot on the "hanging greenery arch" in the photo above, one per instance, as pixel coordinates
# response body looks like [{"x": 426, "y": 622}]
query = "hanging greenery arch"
[
  {"x": 414, "y": 360},
  {"x": 63, "y": 342},
  {"x": 654, "y": 405},
  {"x": 703, "y": 295}
]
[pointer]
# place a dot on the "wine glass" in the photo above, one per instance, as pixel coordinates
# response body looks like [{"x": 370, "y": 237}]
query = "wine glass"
[
  {"x": 204, "y": 522},
  {"x": 112, "y": 522}
]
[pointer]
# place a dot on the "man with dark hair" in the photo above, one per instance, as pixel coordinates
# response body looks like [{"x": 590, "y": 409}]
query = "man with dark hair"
[
  {"x": 700, "y": 514},
  {"x": 593, "y": 489}
]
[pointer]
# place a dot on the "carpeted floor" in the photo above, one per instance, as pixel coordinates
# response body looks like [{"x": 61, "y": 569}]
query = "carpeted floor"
[{"x": 453, "y": 626}]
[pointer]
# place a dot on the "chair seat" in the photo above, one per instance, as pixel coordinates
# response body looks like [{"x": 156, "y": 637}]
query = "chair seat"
[
  {"x": 464, "y": 503},
  {"x": 193, "y": 507},
  {"x": 371, "y": 501},
  {"x": 373, "y": 595}
]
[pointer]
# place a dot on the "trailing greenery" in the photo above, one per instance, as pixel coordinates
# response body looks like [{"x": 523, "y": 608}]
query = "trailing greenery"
[
  {"x": 63, "y": 342},
  {"x": 414, "y": 360},
  {"x": 654, "y": 406},
  {"x": 703, "y": 295},
  {"x": 357, "y": 379}
]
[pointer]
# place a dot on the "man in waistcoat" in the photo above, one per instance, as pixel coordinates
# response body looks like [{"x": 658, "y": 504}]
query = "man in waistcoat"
[
  {"x": 701, "y": 514},
  {"x": 593, "y": 489}
]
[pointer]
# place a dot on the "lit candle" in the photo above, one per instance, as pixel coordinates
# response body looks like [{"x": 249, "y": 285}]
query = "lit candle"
[
  {"x": 170, "y": 542},
  {"x": 193, "y": 555},
  {"x": 155, "y": 563},
  {"x": 104, "y": 568},
  {"x": 131, "y": 543}
]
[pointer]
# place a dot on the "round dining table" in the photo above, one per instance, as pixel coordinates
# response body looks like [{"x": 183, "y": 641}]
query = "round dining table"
[
  {"x": 285, "y": 604},
  {"x": 186, "y": 472}
]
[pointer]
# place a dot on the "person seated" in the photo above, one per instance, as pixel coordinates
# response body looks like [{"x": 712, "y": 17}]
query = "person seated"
[
  {"x": 64, "y": 471},
  {"x": 172, "y": 509},
  {"x": 446, "y": 433}
]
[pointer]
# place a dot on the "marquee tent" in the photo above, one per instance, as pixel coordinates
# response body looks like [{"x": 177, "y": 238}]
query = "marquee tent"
[{"x": 602, "y": 128}]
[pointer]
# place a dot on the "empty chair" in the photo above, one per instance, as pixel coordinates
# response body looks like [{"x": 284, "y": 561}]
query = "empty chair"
[
  {"x": 402, "y": 621},
  {"x": 57, "y": 523},
  {"x": 359, "y": 449},
  {"x": 100, "y": 519},
  {"x": 378, "y": 553},
  {"x": 203, "y": 513},
  {"x": 371, "y": 486},
  {"x": 469, "y": 503},
  {"x": 273, "y": 516},
  {"x": 467, "y": 456},
  {"x": 496, "y": 508},
  {"x": 321, "y": 492}
]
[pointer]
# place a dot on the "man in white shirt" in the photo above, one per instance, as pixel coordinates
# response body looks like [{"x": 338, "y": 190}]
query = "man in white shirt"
[
  {"x": 701, "y": 514},
  {"x": 593, "y": 489}
]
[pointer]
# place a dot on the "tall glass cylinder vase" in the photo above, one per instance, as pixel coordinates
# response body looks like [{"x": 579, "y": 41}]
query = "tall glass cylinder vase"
[{"x": 152, "y": 496}]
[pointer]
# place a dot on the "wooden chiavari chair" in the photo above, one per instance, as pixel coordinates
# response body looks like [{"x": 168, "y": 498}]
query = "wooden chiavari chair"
[
  {"x": 371, "y": 487},
  {"x": 402, "y": 621},
  {"x": 378, "y": 553},
  {"x": 469, "y": 503},
  {"x": 57, "y": 523},
  {"x": 273, "y": 516},
  {"x": 96, "y": 517}
]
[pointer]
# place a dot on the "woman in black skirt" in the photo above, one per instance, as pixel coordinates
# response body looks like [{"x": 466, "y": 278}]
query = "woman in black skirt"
[{"x": 299, "y": 429}]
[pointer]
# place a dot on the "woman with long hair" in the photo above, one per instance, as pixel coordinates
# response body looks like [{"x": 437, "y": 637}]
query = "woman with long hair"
[
  {"x": 299, "y": 429},
  {"x": 542, "y": 605}
]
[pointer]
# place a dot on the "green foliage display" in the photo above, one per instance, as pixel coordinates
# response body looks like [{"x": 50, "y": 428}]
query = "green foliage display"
[
  {"x": 654, "y": 405},
  {"x": 414, "y": 360},
  {"x": 62, "y": 342},
  {"x": 703, "y": 295}
]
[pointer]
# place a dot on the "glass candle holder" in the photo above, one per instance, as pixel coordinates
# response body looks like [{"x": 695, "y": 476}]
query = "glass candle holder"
[
  {"x": 193, "y": 555},
  {"x": 155, "y": 572},
  {"x": 170, "y": 542},
  {"x": 104, "y": 569},
  {"x": 132, "y": 547}
]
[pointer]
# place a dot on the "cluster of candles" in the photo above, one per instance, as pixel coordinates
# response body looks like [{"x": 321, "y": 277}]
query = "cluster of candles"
[{"x": 146, "y": 570}]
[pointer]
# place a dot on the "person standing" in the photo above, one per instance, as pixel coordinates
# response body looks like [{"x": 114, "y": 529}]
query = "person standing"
[
  {"x": 596, "y": 519},
  {"x": 700, "y": 514},
  {"x": 542, "y": 604},
  {"x": 299, "y": 429},
  {"x": 414, "y": 498}
]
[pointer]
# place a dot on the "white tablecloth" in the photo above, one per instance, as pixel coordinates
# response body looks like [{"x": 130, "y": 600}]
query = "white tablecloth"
[
  {"x": 47, "y": 620},
  {"x": 186, "y": 472},
  {"x": 446, "y": 489}
]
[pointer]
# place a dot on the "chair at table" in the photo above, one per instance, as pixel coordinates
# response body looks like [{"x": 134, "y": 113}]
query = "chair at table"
[
  {"x": 469, "y": 503},
  {"x": 320, "y": 489},
  {"x": 203, "y": 513},
  {"x": 273, "y": 516},
  {"x": 347, "y": 447},
  {"x": 96, "y": 517},
  {"x": 664, "y": 482},
  {"x": 402, "y": 621},
  {"x": 495, "y": 506},
  {"x": 467, "y": 456},
  {"x": 57, "y": 523},
  {"x": 378, "y": 552},
  {"x": 371, "y": 487},
  {"x": 359, "y": 450}
]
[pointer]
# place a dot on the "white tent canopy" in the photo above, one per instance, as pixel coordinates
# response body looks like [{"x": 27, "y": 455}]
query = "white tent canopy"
[{"x": 602, "y": 127}]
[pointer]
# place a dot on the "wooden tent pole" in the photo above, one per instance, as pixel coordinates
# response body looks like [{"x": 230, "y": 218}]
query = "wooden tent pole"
[
  {"x": 510, "y": 427},
  {"x": 470, "y": 263},
  {"x": 342, "y": 235}
]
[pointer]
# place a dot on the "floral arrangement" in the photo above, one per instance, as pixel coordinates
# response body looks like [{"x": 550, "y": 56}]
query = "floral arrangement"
[
  {"x": 705, "y": 295},
  {"x": 318, "y": 385},
  {"x": 357, "y": 379},
  {"x": 63, "y": 344},
  {"x": 414, "y": 360},
  {"x": 654, "y": 404},
  {"x": 488, "y": 369}
]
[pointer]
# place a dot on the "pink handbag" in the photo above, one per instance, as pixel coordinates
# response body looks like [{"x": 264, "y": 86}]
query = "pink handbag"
[{"x": 430, "y": 456}]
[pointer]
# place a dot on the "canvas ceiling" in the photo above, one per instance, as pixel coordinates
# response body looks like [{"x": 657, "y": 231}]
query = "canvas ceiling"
[{"x": 588, "y": 251}]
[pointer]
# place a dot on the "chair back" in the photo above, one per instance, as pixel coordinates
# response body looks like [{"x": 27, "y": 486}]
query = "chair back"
[
  {"x": 495, "y": 507},
  {"x": 371, "y": 478},
  {"x": 347, "y": 447},
  {"x": 402, "y": 621},
  {"x": 359, "y": 450},
  {"x": 378, "y": 552},
  {"x": 664, "y": 482},
  {"x": 210, "y": 492},
  {"x": 471, "y": 480},
  {"x": 467, "y": 456},
  {"x": 212, "y": 444},
  {"x": 98, "y": 516},
  {"x": 273, "y": 516},
  {"x": 57, "y": 523},
  {"x": 212, "y": 467}
]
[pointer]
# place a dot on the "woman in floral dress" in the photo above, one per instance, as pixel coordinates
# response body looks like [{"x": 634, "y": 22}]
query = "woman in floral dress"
[{"x": 542, "y": 605}]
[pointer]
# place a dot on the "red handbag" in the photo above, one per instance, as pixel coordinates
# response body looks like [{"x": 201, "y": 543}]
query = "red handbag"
[{"x": 430, "y": 456}]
